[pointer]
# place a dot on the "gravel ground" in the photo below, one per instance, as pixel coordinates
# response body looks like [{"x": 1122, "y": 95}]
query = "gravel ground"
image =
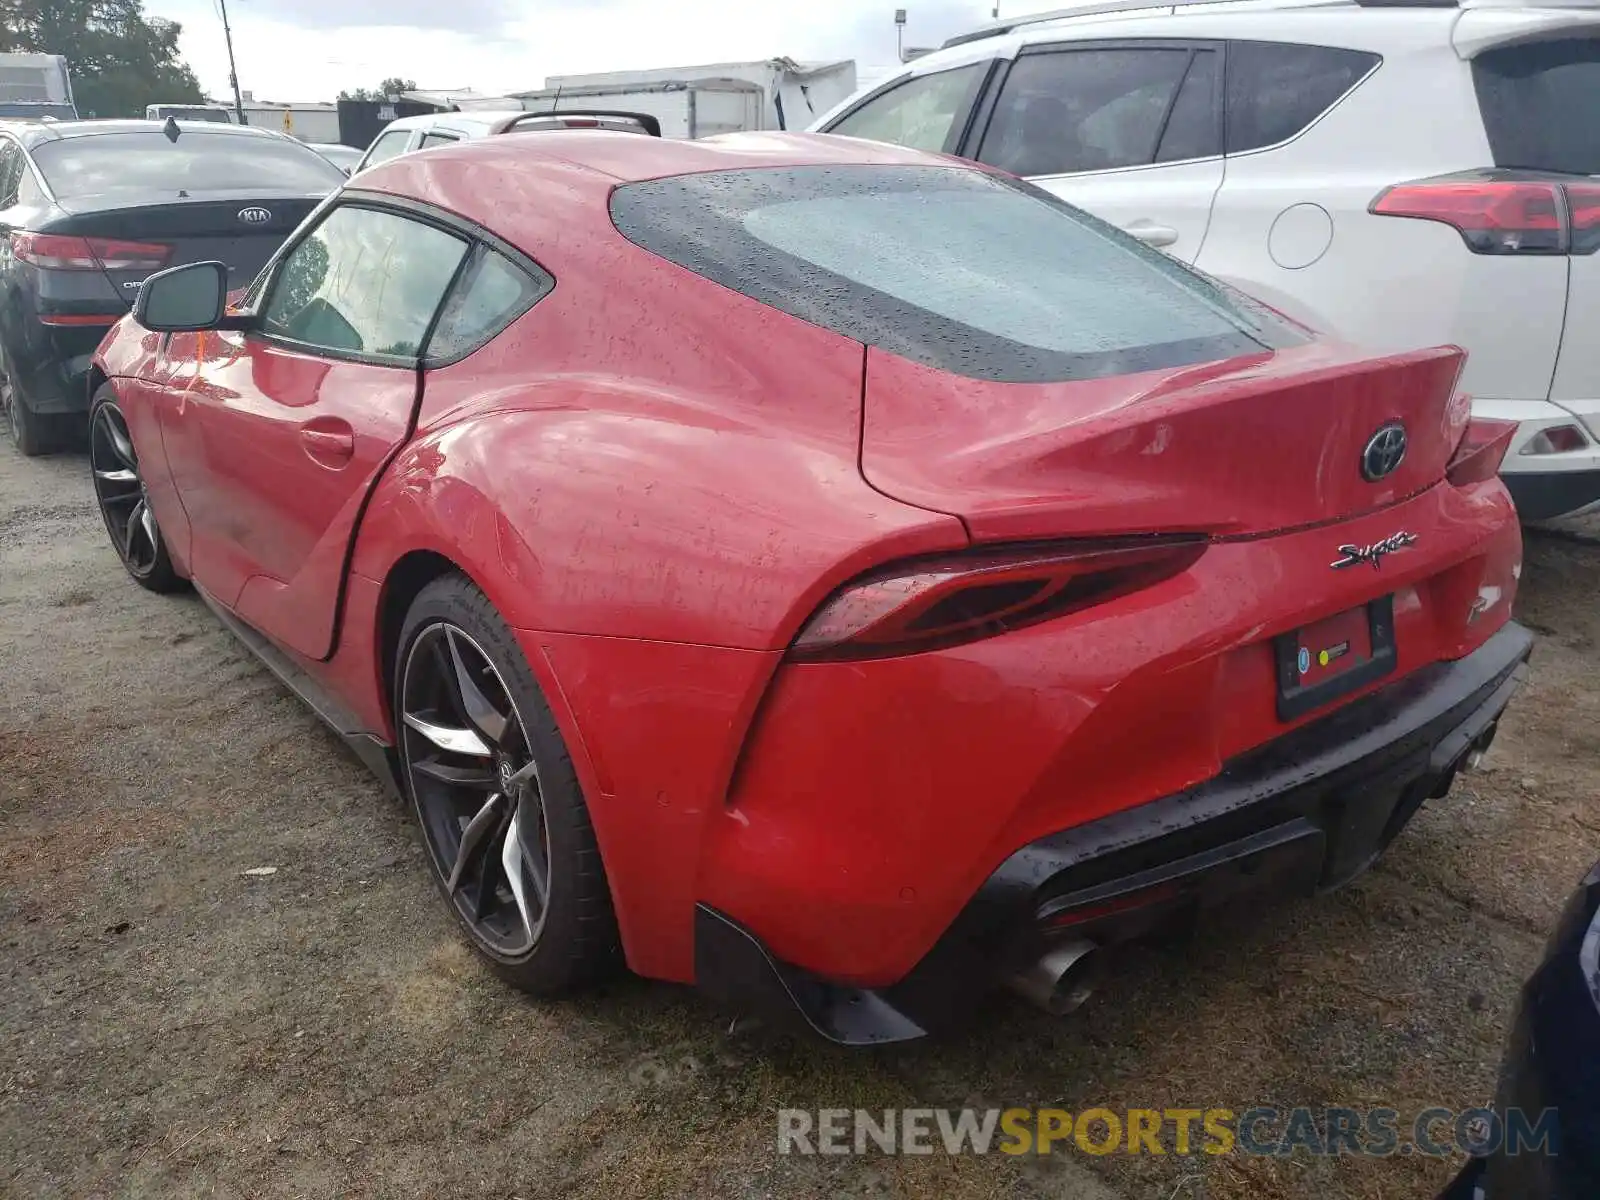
[{"x": 173, "y": 1026}]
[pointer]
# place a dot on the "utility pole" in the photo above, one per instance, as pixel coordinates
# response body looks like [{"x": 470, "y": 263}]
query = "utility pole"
[{"x": 233, "y": 70}]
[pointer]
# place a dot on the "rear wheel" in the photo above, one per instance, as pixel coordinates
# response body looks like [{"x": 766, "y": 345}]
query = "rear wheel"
[
  {"x": 502, "y": 815},
  {"x": 30, "y": 432},
  {"x": 120, "y": 490}
]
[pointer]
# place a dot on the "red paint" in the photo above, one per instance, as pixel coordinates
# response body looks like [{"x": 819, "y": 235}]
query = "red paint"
[
  {"x": 1224, "y": 447},
  {"x": 658, "y": 482}
]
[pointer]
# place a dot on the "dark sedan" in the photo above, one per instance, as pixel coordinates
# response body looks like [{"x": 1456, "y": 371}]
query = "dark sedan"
[
  {"x": 1548, "y": 1144},
  {"x": 89, "y": 209}
]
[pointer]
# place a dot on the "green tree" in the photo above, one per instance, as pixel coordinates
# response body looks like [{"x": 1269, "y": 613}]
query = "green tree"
[
  {"x": 120, "y": 59},
  {"x": 392, "y": 86}
]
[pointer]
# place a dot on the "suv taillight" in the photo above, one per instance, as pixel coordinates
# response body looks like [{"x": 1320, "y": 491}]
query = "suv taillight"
[{"x": 1497, "y": 216}]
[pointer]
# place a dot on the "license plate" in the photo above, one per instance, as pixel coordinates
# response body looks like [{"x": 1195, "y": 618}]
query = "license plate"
[{"x": 1333, "y": 657}]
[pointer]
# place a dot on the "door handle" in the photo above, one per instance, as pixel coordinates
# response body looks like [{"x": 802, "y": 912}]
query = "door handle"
[
  {"x": 1152, "y": 234},
  {"x": 332, "y": 444}
]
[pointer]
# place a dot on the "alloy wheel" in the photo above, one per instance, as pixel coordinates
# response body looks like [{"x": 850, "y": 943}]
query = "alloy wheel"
[
  {"x": 8, "y": 404},
  {"x": 120, "y": 490},
  {"x": 470, "y": 766}
]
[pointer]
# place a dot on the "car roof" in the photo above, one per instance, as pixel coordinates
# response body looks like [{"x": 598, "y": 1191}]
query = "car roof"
[
  {"x": 466, "y": 120},
  {"x": 1375, "y": 25},
  {"x": 629, "y": 158},
  {"x": 37, "y": 133}
]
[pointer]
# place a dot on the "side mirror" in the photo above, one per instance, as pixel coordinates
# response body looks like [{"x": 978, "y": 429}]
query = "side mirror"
[{"x": 183, "y": 299}]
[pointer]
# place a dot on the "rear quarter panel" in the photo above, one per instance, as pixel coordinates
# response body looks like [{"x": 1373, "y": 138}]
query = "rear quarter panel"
[{"x": 655, "y": 481}]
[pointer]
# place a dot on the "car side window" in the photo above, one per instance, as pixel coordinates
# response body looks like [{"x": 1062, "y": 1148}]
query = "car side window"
[
  {"x": 11, "y": 167},
  {"x": 1276, "y": 89},
  {"x": 437, "y": 139},
  {"x": 1084, "y": 110},
  {"x": 490, "y": 294},
  {"x": 1194, "y": 127},
  {"x": 390, "y": 144},
  {"x": 28, "y": 190},
  {"x": 364, "y": 281},
  {"x": 921, "y": 113}
]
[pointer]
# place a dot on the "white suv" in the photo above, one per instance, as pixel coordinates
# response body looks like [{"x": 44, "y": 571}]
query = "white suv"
[{"x": 1400, "y": 174}]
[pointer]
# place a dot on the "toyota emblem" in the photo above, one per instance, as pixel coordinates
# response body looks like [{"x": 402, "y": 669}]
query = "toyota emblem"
[
  {"x": 254, "y": 216},
  {"x": 1385, "y": 451}
]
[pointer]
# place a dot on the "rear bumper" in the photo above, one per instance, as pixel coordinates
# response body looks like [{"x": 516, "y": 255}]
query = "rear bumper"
[
  {"x": 1553, "y": 484},
  {"x": 55, "y": 371},
  {"x": 1304, "y": 813},
  {"x": 1540, "y": 496}
]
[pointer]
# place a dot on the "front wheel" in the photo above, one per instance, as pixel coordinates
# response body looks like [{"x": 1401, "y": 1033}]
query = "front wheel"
[
  {"x": 119, "y": 488},
  {"x": 502, "y": 815}
]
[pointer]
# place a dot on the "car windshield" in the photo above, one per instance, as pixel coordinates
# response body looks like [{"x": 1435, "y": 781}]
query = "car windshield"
[
  {"x": 101, "y": 164},
  {"x": 954, "y": 268}
]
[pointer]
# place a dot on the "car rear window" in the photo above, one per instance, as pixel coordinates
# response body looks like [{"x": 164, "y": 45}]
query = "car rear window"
[
  {"x": 99, "y": 164},
  {"x": 980, "y": 275},
  {"x": 1539, "y": 103}
]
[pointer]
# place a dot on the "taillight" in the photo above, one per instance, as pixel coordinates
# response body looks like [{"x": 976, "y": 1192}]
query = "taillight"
[
  {"x": 1481, "y": 451},
  {"x": 129, "y": 256},
  {"x": 1555, "y": 439},
  {"x": 1492, "y": 217},
  {"x": 1583, "y": 208},
  {"x": 932, "y": 603},
  {"x": 56, "y": 253},
  {"x": 1502, "y": 216}
]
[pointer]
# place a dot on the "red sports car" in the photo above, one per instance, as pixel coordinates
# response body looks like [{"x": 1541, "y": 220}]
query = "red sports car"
[{"x": 835, "y": 576}]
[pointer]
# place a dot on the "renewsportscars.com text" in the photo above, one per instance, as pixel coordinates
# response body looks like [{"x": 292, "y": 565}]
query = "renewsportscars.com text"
[{"x": 1375, "y": 1132}]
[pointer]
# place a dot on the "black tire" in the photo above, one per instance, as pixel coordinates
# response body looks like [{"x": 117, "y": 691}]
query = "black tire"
[
  {"x": 119, "y": 491},
  {"x": 575, "y": 942},
  {"x": 31, "y": 433}
]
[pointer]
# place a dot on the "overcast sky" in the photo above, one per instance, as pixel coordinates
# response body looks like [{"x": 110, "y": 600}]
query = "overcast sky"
[{"x": 301, "y": 50}]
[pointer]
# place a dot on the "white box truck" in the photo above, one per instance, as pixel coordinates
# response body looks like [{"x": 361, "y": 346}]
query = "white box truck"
[
  {"x": 695, "y": 102},
  {"x": 36, "y": 85}
]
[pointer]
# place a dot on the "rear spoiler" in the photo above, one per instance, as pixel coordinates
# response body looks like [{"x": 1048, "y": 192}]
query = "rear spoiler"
[{"x": 584, "y": 118}]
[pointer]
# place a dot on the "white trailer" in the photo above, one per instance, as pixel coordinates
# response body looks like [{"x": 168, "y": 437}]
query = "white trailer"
[
  {"x": 309, "y": 122},
  {"x": 315, "y": 122},
  {"x": 36, "y": 85},
  {"x": 692, "y": 102}
]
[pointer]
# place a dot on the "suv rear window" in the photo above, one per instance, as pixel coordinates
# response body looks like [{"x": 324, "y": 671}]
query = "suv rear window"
[
  {"x": 1538, "y": 103},
  {"x": 99, "y": 164},
  {"x": 971, "y": 273},
  {"x": 1276, "y": 89}
]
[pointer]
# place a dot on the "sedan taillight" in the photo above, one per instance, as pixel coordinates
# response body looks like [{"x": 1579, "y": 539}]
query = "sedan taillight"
[
  {"x": 937, "y": 602},
  {"x": 129, "y": 256},
  {"x": 56, "y": 253}
]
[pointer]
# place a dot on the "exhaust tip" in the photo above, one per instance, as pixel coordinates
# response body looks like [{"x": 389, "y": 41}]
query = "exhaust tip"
[
  {"x": 1063, "y": 979},
  {"x": 1478, "y": 752}
]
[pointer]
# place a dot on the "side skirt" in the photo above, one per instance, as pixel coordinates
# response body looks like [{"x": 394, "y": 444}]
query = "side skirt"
[{"x": 377, "y": 755}]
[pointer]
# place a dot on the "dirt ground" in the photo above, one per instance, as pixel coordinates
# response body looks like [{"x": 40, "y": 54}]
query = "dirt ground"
[{"x": 172, "y": 1026}]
